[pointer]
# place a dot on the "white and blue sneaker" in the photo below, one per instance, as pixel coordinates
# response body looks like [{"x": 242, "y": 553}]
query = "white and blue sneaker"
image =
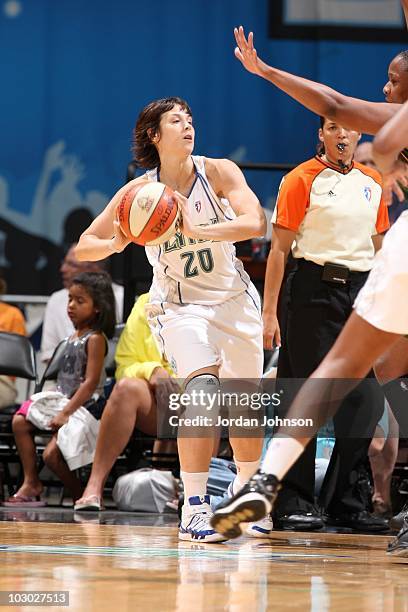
[
  {"x": 260, "y": 529},
  {"x": 257, "y": 529},
  {"x": 195, "y": 521}
]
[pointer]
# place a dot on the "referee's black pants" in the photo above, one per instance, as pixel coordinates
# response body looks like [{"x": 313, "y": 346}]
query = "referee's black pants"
[{"x": 315, "y": 312}]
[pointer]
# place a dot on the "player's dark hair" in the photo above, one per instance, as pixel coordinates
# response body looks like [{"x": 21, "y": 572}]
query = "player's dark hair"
[
  {"x": 148, "y": 125},
  {"x": 99, "y": 286}
]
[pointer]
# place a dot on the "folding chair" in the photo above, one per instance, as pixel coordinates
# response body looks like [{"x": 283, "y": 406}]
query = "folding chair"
[
  {"x": 17, "y": 359},
  {"x": 53, "y": 366}
]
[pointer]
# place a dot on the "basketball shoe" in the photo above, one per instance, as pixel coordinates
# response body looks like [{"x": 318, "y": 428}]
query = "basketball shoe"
[
  {"x": 399, "y": 546},
  {"x": 195, "y": 521},
  {"x": 251, "y": 504},
  {"x": 257, "y": 529}
]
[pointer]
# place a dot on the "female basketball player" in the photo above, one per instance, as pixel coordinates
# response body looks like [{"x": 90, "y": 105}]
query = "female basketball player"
[{"x": 203, "y": 308}]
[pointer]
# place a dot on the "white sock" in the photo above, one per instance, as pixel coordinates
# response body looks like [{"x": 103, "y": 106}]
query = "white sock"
[
  {"x": 282, "y": 453},
  {"x": 245, "y": 469},
  {"x": 195, "y": 483}
]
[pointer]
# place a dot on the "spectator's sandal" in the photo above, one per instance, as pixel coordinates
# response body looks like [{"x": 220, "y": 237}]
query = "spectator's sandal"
[
  {"x": 93, "y": 503},
  {"x": 24, "y": 501}
]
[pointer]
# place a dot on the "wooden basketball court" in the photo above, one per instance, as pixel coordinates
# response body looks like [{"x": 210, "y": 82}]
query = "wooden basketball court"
[{"x": 143, "y": 566}]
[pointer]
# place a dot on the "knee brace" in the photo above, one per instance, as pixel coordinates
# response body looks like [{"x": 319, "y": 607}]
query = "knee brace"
[{"x": 205, "y": 398}]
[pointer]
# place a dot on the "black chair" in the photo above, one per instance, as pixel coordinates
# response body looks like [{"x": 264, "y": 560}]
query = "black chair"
[
  {"x": 17, "y": 356},
  {"x": 17, "y": 359},
  {"x": 53, "y": 366}
]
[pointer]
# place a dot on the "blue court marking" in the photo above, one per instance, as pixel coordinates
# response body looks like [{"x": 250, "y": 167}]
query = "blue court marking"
[{"x": 135, "y": 551}]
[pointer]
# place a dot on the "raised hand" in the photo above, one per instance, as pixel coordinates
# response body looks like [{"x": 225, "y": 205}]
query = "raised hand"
[
  {"x": 54, "y": 158},
  {"x": 245, "y": 51},
  {"x": 72, "y": 169}
]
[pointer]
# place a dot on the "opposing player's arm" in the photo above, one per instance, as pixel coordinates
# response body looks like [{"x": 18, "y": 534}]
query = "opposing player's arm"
[
  {"x": 228, "y": 182},
  {"x": 388, "y": 143},
  {"x": 104, "y": 236},
  {"x": 355, "y": 114},
  {"x": 405, "y": 9},
  {"x": 391, "y": 139}
]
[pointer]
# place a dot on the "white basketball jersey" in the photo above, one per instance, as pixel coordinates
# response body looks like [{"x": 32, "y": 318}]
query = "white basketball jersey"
[{"x": 187, "y": 271}]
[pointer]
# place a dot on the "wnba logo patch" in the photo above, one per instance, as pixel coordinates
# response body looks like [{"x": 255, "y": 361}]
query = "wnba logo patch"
[
  {"x": 197, "y": 206},
  {"x": 367, "y": 193}
]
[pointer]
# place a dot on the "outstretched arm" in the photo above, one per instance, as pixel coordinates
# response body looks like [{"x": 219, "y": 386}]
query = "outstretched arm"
[
  {"x": 405, "y": 9},
  {"x": 355, "y": 114},
  {"x": 104, "y": 236}
]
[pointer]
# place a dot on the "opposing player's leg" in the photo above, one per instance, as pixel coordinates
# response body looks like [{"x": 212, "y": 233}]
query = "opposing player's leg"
[{"x": 348, "y": 362}]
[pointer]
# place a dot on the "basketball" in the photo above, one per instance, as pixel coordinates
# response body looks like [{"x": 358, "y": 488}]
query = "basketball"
[{"x": 148, "y": 213}]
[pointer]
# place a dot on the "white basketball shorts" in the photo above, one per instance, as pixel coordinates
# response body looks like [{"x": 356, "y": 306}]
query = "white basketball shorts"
[
  {"x": 194, "y": 336},
  {"x": 383, "y": 301}
]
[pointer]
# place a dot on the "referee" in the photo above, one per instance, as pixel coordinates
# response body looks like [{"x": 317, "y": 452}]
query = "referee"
[{"x": 330, "y": 216}]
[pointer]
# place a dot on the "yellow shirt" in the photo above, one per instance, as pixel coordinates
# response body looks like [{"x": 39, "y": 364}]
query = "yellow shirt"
[{"x": 137, "y": 354}]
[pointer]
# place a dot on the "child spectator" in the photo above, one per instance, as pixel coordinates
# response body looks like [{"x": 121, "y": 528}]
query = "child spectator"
[
  {"x": 56, "y": 324},
  {"x": 91, "y": 308}
]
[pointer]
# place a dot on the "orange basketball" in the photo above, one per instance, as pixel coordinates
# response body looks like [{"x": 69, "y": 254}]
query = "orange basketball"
[{"x": 148, "y": 213}]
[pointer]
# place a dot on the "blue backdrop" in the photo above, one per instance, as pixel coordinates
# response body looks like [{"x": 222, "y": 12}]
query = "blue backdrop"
[{"x": 75, "y": 74}]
